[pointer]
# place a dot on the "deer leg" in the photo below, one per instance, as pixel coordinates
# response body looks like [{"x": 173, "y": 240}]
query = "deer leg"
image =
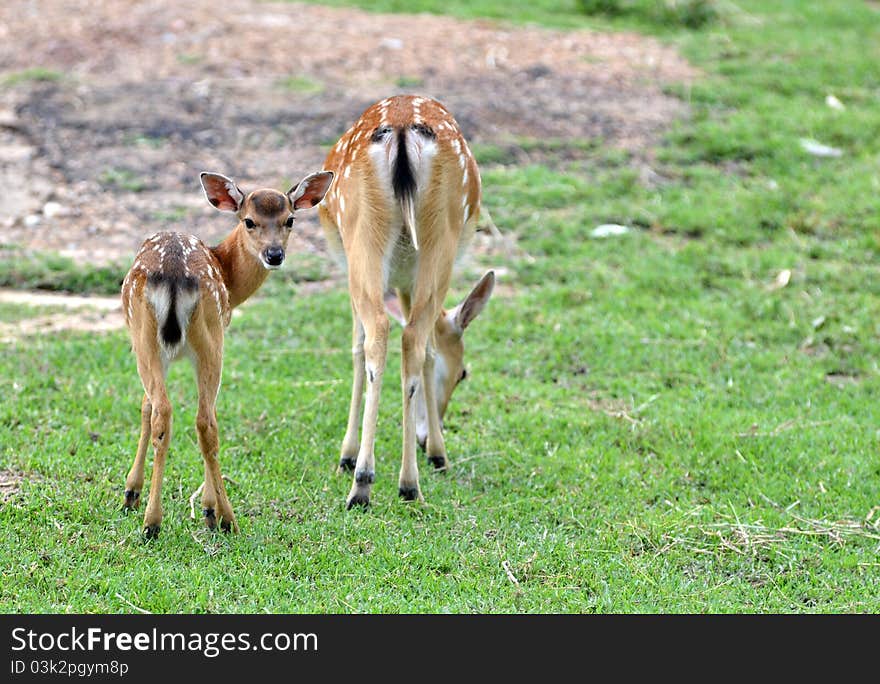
[
  {"x": 412, "y": 369},
  {"x": 428, "y": 427},
  {"x": 134, "y": 483},
  {"x": 370, "y": 307},
  {"x": 152, "y": 372},
  {"x": 208, "y": 350},
  {"x": 350, "y": 445},
  {"x": 435, "y": 448},
  {"x": 435, "y": 270}
]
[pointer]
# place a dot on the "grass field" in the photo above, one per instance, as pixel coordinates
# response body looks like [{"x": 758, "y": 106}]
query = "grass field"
[{"x": 655, "y": 422}]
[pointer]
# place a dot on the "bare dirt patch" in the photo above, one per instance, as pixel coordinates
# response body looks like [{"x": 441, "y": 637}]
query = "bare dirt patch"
[
  {"x": 108, "y": 111},
  {"x": 91, "y": 314},
  {"x": 10, "y": 484}
]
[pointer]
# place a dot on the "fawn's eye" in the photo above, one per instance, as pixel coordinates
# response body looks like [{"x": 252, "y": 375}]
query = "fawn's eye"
[
  {"x": 249, "y": 224},
  {"x": 289, "y": 222}
]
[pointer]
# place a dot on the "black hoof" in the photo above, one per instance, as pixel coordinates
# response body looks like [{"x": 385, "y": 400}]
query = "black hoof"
[
  {"x": 151, "y": 531},
  {"x": 346, "y": 463},
  {"x": 408, "y": 493},
  {"x": 439, "y": 462},
  {"x": 360, "y": 499},
  {"x": 130, "y": 499},
  {"x": 365, "y": 476},
  {"x": 226, "y": 526},
  {"x": 210, "y": 517}
]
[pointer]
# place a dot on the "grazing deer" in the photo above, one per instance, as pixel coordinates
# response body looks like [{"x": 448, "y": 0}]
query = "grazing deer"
[
  {"x": 404, "y": 203},
  {"x": 178, "y": 299}
]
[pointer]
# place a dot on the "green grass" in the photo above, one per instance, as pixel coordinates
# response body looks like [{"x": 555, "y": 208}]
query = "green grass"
[
  {"x": 650, "y": 425},
  {"x": 34, "y": 74},
  {"x": 25, "y": 269},
  {"x": 124, "y": 179},
  {"x": 301, "y": 84}
]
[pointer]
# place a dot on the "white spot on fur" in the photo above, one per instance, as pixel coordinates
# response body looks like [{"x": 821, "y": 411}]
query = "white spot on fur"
[{"x": 347, "y": 172}]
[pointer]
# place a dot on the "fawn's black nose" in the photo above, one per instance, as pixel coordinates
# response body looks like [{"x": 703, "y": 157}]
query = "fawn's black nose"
[{"x": 274, "y": 256}]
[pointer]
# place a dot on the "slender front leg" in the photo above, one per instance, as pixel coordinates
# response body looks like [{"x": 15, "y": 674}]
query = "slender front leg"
[
  {"x": 349, "y": 454},
  {"x": 413, "y": 347},
  {"x": 371, "y": 310},
  {"x": 134, "y": 483},
  {"x": 435, "y": 448}
]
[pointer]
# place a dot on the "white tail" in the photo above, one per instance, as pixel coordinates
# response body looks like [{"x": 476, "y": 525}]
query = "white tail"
[{"x": 404, "y": 203}]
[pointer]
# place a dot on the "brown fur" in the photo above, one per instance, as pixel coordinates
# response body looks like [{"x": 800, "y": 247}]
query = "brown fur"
[
  {"x": 222, "y": 278},
  {"x": 362, "y": 218}
]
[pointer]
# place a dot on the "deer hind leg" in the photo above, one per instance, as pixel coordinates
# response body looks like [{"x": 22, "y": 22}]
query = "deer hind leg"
[
  {"x": 369, "y": 306},
  {"x": 435, "y": 269},
  {"x": 350, "y": 445},
  {"x": 417, "y": 367},
  {"x": 134, "y": 483},
  {"x": 208, "y": 349},
  {"x": 152, "y": 371},
  {"x": 433, "y": 439}
]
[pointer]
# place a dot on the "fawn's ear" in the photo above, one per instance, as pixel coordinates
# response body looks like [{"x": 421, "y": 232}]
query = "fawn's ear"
[
  {"x": 310, "y": 190},
  {"x": 474, "y": 303},
  {"x": 222, "y": 192}
]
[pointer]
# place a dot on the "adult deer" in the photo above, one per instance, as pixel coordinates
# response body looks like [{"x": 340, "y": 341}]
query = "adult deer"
[
  {"x": 178, "y": 299},
  {"x": 404, "y": 203}
]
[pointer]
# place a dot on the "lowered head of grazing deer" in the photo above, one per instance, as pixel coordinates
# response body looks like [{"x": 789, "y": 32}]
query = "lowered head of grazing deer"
[{"x": 448, "y": 348}]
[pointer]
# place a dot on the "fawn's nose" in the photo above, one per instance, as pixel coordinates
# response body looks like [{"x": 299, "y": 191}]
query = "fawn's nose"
[{"x": 274, "y": 256}]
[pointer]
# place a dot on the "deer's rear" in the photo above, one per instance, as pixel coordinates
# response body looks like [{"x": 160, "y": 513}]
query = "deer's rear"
[{"x": 403, "y": 205}]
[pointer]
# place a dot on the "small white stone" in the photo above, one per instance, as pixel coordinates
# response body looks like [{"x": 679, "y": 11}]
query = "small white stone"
[
  {"x": 817, "y": 149},
  {"x": 834, "y": 103},
  {"x": 53, "y": 209},
  {"x": 608, "y": 230}
]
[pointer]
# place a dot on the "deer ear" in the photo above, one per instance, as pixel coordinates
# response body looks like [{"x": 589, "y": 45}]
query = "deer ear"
[
  {"x": 310, "y": 190},
  {"x": 392, "y": 306},
  {"x": 474, "y": 303},
  {"x": 222, "y": 192}
]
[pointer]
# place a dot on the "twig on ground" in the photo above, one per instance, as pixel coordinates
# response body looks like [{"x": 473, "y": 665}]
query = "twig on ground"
[
  {"x": 192, "y": 501},
  {"x": 510, "y": 576},
  {"x": 131, "y": 605},
  {"x": 195, "y": 494},
  {"x": 782, "y": 427}
]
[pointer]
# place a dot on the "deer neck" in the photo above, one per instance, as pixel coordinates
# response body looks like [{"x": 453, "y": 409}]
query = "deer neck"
[{"x": 243, "y": 273}]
